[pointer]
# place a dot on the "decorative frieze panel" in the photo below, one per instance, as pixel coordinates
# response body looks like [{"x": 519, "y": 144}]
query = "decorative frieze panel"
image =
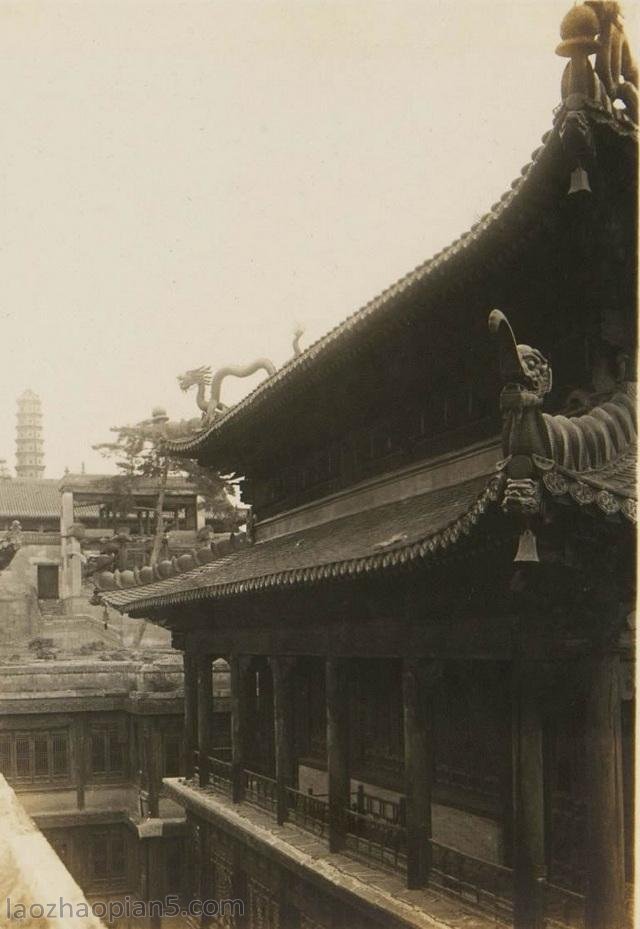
[{"x": 263, "y": 910}]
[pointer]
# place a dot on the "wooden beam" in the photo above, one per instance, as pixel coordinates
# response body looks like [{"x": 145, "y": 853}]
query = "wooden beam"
[
  {"x": 418, "y": 678},
  {"x": 605, "y": 891},
  {"x": 338, "y": 749}
]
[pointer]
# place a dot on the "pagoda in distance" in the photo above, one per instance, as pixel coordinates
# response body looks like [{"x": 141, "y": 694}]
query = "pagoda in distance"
[{"x": 29, "y": 440}]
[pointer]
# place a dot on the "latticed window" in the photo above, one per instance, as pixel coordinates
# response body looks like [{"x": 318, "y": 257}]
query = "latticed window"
[
  {"x": 32, "y": 757},
  {"x": 108, "y": 857},
  {"x": 107, "y": 752}
]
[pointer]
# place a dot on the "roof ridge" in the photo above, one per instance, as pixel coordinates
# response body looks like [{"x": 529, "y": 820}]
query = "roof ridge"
[{"x": 363, "y": 312}]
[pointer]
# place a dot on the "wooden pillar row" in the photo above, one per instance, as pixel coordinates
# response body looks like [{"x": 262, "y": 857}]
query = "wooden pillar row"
[
  {"x": 239, "y": 699},
  {"x": 285, "y": 760},
  {"x": 605, "y": 890},
  {"x": 337, "y": 696},
  {"x": 529, "y": 867},
  {"x": 205, "y": 716},
  {"x": 418, "y": 679},
  {"x": 190, "y": 711}
]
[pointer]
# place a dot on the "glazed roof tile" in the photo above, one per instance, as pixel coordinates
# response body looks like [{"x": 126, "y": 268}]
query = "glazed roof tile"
[{"x": 384, "y": 536}]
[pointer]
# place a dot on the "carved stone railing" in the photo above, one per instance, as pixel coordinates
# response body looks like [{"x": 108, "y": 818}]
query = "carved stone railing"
[
  {"x": 485, "y": 883},
  {"x": 308, "y": 811},
  {"x": 376, "y": 840},
  {"x": 259, "y": 790}
]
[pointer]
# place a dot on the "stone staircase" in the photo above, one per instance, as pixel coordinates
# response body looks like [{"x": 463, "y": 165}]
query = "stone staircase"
[{"x": 51, "y": 607}]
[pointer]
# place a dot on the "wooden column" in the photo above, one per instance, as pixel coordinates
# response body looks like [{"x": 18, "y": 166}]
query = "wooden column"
[
  {"x": 529, "y": 868},
  {"x": 238, "y": 667},
  {"x": 80, "y": 753},
  {"x": 282, "y": 670},
  {"x": 338, "y": 749},
  {"x": 605, "y": 891},
  {"x": 155, "y": 878},
  {"x": 151, "y": 765},
  {"x": 190, "y": 711},
  {"x": 205, "y": 716},
  {"x": 418, "y": 678}
]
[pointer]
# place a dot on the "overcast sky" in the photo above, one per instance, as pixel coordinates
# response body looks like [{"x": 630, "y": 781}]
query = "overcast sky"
[{"x": 184, "y": 181}]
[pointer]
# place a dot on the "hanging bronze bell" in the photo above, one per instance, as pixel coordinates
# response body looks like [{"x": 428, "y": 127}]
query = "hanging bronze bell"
[
  {"x": 527, "y": 547},
  {"x": 579, "y": 181}
]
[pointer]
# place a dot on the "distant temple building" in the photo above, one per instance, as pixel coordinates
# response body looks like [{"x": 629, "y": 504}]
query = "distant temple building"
[{"x": 29, "y": 442}]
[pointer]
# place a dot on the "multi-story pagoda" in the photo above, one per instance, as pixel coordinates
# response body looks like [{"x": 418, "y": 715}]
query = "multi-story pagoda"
[
  {"x": 29, "y": 441},
  {"x": 430, "y": 636}
]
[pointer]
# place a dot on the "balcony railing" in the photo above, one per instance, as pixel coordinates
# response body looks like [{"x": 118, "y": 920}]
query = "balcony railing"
[
  {"x": 376, "y": 833},
  {"x": 392, "y": 811},
  {"x": 377, "y": 840},
  {"x": 259, "y": 790},
  {"x": 485, "y": 883},
  {"x": 308, "y": 811},
  {"x": 219, "y": 774},
  {"x": 563, "y": 908}
]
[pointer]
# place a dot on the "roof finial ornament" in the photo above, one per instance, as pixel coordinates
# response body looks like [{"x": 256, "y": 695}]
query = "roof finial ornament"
[
  {"x": 597, "y": 26},
  {"x": 298, "y": 332},
  {"x": 611, "y": 85}
]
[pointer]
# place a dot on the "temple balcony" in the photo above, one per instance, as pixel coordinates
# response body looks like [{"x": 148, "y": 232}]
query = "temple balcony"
[{"x": 372, "y": 866}]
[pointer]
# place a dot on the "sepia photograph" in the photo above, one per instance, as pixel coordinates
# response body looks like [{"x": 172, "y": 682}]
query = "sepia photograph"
[{"x": 318, "y": 468}]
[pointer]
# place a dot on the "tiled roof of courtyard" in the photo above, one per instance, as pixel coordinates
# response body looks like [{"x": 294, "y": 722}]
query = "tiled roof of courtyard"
[
  {"x": 385, "y": 536},
  {"x": 29, "y": 497},
  {"x": 103, "y": 484}
]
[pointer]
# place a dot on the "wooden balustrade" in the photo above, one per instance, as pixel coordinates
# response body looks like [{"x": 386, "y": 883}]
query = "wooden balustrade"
[
  {"x": 308, "y": 811},
  {"x": 220, "y": 774},
  {"x": 376, "y": 840},
  {"x": 488, "y": 884},
  {"x": 259, "y": 790},
  {"x": 563, "y": 908},
  {"x": 392, "y": 811}
]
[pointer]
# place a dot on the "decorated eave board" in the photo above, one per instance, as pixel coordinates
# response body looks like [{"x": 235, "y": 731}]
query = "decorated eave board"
[{"x": 584, "y": 458}]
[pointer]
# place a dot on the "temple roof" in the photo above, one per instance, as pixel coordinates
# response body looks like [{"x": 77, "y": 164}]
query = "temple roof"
[
  {"x": 35, "y": 498},
  {"x": 542, "y": 185},
  {"x": 382, "y": 537},
  {"x": 612, "y": 487},
  {"x": 379, "y": 538},
  {"x": 101, "y": 485}
]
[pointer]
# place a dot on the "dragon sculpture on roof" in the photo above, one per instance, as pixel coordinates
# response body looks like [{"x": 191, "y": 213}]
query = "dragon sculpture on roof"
[{"x": 212, "y": 406}]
